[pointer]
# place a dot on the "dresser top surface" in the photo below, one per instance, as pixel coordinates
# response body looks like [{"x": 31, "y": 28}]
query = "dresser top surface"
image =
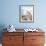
[{"x": 22, "y": 30}]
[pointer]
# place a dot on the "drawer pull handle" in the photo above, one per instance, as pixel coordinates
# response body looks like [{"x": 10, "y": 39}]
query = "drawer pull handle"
[
  {"x": 33, "y": 39},
  {"x": 10, "y": 38}
]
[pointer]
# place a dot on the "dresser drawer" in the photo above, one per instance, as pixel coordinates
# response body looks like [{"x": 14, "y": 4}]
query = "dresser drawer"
[
  {"x": 12, "y": 39},
  {"x": 37, "y": 44},
  {"x": 34, "y": 33},
  {"x": 13, "y": 33},
  {"x": 13, "y": 44},
  {"x": 8, "y": 45},
  {"x": 37, "y": 39}
]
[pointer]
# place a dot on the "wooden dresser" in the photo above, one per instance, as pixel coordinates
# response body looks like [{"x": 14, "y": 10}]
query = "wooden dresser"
[{"x": 23, "y": 39}]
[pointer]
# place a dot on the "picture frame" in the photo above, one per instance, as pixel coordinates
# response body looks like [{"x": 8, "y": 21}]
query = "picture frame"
[{"x": 26, "y": 13}]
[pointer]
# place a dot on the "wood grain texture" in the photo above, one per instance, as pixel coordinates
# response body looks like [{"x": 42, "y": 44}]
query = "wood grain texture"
[
  {"x": 34, "y": 39},
  {"x": 13, "y": 39},
  {"x": 23, "y": 39}
]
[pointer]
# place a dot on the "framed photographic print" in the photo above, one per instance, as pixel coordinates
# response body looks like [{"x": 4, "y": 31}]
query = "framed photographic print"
[{"x": 26, "y": 13}]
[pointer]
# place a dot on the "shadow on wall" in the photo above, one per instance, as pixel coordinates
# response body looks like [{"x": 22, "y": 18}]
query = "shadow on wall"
[{"x": 2, "y": 26}]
